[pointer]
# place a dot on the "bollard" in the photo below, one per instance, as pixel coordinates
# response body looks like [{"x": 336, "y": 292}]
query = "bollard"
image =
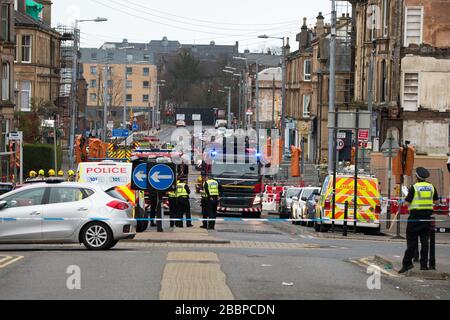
[
  {"x": 344, "y": 233},
  {"x": 433, "y": 244}
]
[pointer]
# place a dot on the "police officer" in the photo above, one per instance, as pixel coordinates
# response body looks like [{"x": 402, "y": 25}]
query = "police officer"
[
  {"x": 212, "y": 190},
  {"x": 183, "y": 205},
  {"x": 60, "y": 174},
  {"x": 153, "y": 198},
  {"x": 172, "y": 195},
  {"x": 421, "y": 199},
  {"x": 51, "y": 173},
  {"x": 204, "y": 202}
]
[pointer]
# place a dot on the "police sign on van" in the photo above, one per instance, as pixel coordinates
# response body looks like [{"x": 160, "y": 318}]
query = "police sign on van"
[{"x": 107, "y": 172}]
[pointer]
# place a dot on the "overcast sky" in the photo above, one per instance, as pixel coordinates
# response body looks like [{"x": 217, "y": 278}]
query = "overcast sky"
[{"x": 194, "y": 21}]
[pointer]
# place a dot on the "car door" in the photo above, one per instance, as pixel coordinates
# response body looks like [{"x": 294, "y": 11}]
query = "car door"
[
  {"x": 66, "y": 210},
  {"x": 21, "y": 218}
]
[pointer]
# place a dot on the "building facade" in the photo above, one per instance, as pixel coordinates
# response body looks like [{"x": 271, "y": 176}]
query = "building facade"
[
  {"x": 130, "y": 84},
  {"x": 409, "y": 44},
  {"x": 6, "y": 70},
  {"x": 37, "y": 61}
]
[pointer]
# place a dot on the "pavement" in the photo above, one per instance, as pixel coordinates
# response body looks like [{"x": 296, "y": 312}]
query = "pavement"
[{"x": 179, "y": 235}]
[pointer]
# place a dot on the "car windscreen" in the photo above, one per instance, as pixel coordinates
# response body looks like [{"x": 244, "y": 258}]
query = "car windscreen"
[
  {"x": 307, "y": 193},
  {"x": 292, "y": 193},
  {"x": 234, "y": 169}
]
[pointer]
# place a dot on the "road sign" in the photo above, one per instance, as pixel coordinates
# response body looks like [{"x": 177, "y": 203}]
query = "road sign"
[
  {"x": 120, "y": 133},
  {"x": 340, "y": 144},
  {"x": 139, "y": 176},
  {"x": 341, "y": 135},
  {"x": 181, "y": 117},
  {"x": 15, "y": 136},
  {"x": 161, "y": 177},
  {"x": 135, "y": 127},
  {"x": 196, "y": 117},
  {"x": 363, "y": 135}
]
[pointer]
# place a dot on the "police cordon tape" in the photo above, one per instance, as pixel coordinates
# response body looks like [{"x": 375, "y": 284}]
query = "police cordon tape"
[{"x": 217, "y": 219}]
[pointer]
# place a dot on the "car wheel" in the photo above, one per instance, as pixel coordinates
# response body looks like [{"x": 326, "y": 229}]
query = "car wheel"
[
  {"x": 97, "y": 236},
  {"x": 141, "y": 225}
]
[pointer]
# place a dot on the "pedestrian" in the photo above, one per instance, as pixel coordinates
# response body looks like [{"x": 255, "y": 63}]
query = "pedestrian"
[
  {"x": 212, "y": 190},
  {"x": 204, "y": 202},
  {"x": 421, "y": 199},
  {"x": 183, "y": 205},
  {"x": 172, "y": 195},
  {"x": 153, "y": 198}
]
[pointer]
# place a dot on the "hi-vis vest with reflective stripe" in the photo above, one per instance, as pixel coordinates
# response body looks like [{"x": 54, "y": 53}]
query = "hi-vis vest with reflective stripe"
[
  {"x": 213, "y": 187},
  {"x": 181, "y": 191},
  {"x": 172, "y": 194},
  {"x": 423, "y": 196}
]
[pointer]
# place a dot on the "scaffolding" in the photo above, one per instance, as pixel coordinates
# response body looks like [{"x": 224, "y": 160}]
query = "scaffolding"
[{"x": 66, "y": 78}]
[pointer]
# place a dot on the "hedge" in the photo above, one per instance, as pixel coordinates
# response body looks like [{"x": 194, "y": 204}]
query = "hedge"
[{"x": 40, "y": 156}]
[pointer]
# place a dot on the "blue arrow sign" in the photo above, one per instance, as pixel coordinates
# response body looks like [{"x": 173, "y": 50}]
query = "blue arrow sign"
[
  {"x": 140, "y": 176},
  {"x": 161, "y": 177}
]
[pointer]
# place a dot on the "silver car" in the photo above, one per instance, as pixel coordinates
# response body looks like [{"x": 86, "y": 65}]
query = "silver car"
[{"x": 66, "y": 212}]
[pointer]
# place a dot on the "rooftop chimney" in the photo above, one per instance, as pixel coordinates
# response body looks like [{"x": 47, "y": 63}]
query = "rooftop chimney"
[
  {"x": 21, "y": 6},
  {"x": 320, "y": 24},
  {"x": 46, "y": 11},
  {"x": 303, "y": 39}
]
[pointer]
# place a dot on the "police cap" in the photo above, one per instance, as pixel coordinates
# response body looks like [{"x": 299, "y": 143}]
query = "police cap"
[{"x": 422, "y": 173}]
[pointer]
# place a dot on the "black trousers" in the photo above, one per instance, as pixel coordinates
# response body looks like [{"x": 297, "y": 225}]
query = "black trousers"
[
  {"x": 212, "y": 212},
  {"x": 416, "y": 230},
  {"x": 172, "y": 211},
  {"x": 153, "y": 208},
  {"x": 184, "y": 208},
  {"x": 204, "y": 204}
]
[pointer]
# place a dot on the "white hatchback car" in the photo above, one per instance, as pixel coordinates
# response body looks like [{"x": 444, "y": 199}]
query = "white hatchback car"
[
  {"x": 66, "y": 212},
  {"x": 299, "y": 204}
]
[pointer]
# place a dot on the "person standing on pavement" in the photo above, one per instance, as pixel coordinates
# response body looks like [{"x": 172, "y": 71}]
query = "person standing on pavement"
[
  {"x": 153, "y": 199},
  {"x": 183, "y": 205},
  {"x": 212, "y": 190},
  {"x": 172, "y": 195},
  {"x": 204, "y": 202},
  {"x": 421, "y": 199}
]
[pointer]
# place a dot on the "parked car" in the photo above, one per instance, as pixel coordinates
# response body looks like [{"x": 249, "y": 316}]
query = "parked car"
[
  {"x": 309, "y": 210},
  {"x": 286, "y": 202},
  {"x": 66, "y": 212},
  {"x": 299, "y": 203}
]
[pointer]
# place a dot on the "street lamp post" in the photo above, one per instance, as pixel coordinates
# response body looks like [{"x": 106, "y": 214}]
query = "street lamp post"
[
  {"x": 124, "y": 125},
  {"x": 73, "y": 104},
  {"x": 283, "y": 103},
  {"x": 156, "y": 111}
]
